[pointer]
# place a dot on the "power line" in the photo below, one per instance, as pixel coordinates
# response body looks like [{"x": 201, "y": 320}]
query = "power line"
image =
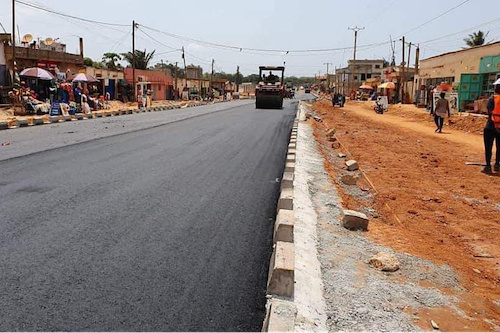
[
  {"x": 435, "y": 18},
  {"x": 67, "y": 15}
]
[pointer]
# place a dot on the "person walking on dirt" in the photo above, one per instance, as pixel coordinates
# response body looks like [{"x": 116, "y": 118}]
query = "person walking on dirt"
[
  {"x": 442, "y": 109},
  {"x": 491, "y": 131},
  {"x": 335, "y": 99}
]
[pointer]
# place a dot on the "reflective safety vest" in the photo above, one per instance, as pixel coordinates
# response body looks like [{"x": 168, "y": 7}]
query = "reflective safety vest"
[{"x": 496, "y": 111}]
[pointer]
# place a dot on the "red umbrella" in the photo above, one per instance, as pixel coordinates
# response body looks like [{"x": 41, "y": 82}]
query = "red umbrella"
[
  {"x": 82, "y": 77},
  {"x": 38, "y": 73},
  {"x": 365, "y": 86}
]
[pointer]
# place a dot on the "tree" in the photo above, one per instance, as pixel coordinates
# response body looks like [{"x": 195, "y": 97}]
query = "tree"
[
  {"x": 88, "y": 61},
  {"x": 110, "y": 59},
  {"x": 476, "y": 39},
  {"x": 142, "y": 58}
]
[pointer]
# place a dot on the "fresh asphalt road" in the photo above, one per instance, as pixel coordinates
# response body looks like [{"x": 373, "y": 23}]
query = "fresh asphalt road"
[{"x": 161, "y": 223}]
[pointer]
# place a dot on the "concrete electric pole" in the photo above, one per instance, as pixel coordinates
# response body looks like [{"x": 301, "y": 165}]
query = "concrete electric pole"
[
  {"x": 13, "y": 41},
  {"x": 327, "y": 75},
  {"x": 133, "y": 61},
  {"x": 355, "y": 29}
]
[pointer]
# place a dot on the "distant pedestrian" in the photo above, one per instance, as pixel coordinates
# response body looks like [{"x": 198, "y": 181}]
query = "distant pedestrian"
[
  {"x": 335, "y": 99},
  {"x": 491, "y": 131},
  {"x": 442, "y": 109}
]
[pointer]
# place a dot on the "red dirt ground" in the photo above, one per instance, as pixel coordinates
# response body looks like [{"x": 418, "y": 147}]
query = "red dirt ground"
[{"x": 430, "y": 203}]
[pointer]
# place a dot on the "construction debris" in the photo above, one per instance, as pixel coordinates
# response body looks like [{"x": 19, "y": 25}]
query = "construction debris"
[
  {"x": 353, "y": 220},
  {"x": 352, "y": 165},
  {"x": 386, "y": 262}
]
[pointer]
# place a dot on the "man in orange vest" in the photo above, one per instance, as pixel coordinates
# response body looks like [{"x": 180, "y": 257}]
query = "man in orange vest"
[{"x": 492, "y": 130}]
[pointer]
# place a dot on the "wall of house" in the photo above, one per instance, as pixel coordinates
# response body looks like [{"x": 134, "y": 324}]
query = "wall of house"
[{"x": 453, "y": 65}]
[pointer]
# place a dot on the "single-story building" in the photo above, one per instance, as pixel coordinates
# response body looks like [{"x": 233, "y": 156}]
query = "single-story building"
[{"x": 157, "y": 81}]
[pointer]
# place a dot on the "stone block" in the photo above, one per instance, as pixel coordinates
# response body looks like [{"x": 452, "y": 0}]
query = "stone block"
[
  {"x": 280, "y": 316},
  {"x": 283, "y": 227},
  {"x": 287, "y": 181},
  {"x": 290, "y": 166},
  {"x": 352, "y": 165},
  {"x": 349, "y": 179},
  {"x": 353, "y": 220},
  {"x": 385, "y": 262},
  {"x": 286, "y": 199},
  {"x": 23, "y": 122},
  {"x": 281, "y": 270}
]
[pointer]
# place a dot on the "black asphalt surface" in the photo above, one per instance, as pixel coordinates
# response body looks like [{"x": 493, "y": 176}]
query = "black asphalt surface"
[{"x": 163, "y": 228}]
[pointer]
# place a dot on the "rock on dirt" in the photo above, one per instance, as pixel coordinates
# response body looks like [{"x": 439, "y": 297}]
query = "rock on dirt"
[
  {"x": 352, "y": 165},
  {"x": 342, "y": 155},
  {"x": 331, "y": 132},
  {"x": 349, "y": 179},
  {"x": 353, "y": 220},
  {"x": 385, "y": 262}
]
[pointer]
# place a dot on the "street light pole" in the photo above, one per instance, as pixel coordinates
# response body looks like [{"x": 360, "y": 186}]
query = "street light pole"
[{"x": 355, "y": 29}]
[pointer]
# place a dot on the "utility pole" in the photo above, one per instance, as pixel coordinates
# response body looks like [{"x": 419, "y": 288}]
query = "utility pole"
[
  {"x": 13, "y": 41},
  {"x": 238, "y": 79},
  {"x": 133, "y": 62},
  {"x": 212, "y": 76},
  {"x": 417, "y": 56},
  {"x": 355, "y": 29},
  {"x": 403, "y": 71},
  {"x": 185, "y": 69},
  {"x": 175, "y": 83},
  {"x": 327, "y": 74},
  {"x": 408, "y": 65}
]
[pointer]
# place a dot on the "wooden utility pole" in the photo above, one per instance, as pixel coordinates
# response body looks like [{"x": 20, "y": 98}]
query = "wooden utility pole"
[
  {"x": 13, "y": 41},
  {"x": 355, "y": 29},
  {"x": 408, "y": 66},
  {"x": 185, "y": 69},
  {"x": 212, "y": 76},
  {"x": 133, "y": 62},
  {"x": 417, "y": 56},
  {"x": 403, "y": 71},
  {"x": 175, "y": 83},
  {"x": 327, "y": 74},
  {"x": 237, "y": 79}
]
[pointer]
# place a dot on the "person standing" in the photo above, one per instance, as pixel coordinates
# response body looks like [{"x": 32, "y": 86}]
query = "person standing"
[
  {"x": 491, "y": 132},
  {"x": 442, "y": 109}
]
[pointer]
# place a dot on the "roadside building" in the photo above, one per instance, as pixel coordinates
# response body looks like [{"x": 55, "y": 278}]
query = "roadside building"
[
  {"x": 156, "y": 81},
  {"x": 59, "y": 63},
  {"x": 365, "y": 69},
  {"x": 109, "y": 80},
  {"x": 470, "y": 71}
]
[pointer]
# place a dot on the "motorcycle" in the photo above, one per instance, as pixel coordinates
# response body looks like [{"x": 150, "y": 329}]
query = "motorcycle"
[{"x": 379, "y": 108}]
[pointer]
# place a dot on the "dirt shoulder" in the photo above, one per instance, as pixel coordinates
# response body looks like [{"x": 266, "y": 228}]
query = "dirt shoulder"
[{"x": 423, "y": 199}]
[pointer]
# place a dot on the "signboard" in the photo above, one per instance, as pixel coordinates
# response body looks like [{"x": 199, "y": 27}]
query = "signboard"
[
  {"x": 452, "y": 99},
  {"x": 55, "y": 109}
]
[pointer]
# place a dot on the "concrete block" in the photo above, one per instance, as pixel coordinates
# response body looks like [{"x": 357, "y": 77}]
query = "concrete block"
[
  {"x": 54, "y": 119},
  {"x": 37, "y": 121},
  {"x": 292, "y": 146},
  {"x": 79, "y": 116},
  {"x": 98, "y": 114},
  {"x": 115, "y": 113},
  {"x": 352, "y": 165},
  {"x": 88, "y": 116},
  {"x": 107, "y": 114},
  {"x": 281, "y": 270},
  {"x": 293, "y": 137},
  {"x": 283, "y": 227},
  {"x": 286, "y": 199},
  {"x": 13, "y": 123},
  {"x": 287, "y": 181},
  {"x": 130, "y": 111},
  {"x": 292, "y": 151},
  {"x": 290, "y": 158},
  {"x": 280, "y": 316},
  {"x": 342, "y": 155},
  {"x": 290, "y": 166},
  {"x": 67, "y": 118},
  {"x": 353, "y": 220},
  {"x": 4, "y": 125},
  {"x": 22, "y": 122}
]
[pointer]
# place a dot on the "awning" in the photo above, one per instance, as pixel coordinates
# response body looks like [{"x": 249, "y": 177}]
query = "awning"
[{"x": 387, "y": 85}]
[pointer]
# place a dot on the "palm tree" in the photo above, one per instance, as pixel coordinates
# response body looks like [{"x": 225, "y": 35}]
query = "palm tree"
[
  {"x": 111, "y": 59},
  {"x": 476, "y": 39},
  {"x": 142, "y": 58}
]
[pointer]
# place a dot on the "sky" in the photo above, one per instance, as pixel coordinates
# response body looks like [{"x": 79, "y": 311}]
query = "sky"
[{"x": 259, "y": 24}]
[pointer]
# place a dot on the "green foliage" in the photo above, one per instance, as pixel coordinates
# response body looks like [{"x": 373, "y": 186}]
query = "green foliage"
[
  {"x": 110, "y": 59},
  {"x": 476, "y": 39},
  {"x": 142, "y": 58},
  {"x": 88, "y": 61}
]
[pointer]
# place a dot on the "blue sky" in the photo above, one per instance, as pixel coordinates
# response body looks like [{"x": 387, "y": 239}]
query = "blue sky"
[{"x": 283, "y": 25}]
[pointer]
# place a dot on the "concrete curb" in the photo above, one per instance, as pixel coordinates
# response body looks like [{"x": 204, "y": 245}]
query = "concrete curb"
[
  {"x": 17, "y": 123},
  {"x": 281, "y": 311}
]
